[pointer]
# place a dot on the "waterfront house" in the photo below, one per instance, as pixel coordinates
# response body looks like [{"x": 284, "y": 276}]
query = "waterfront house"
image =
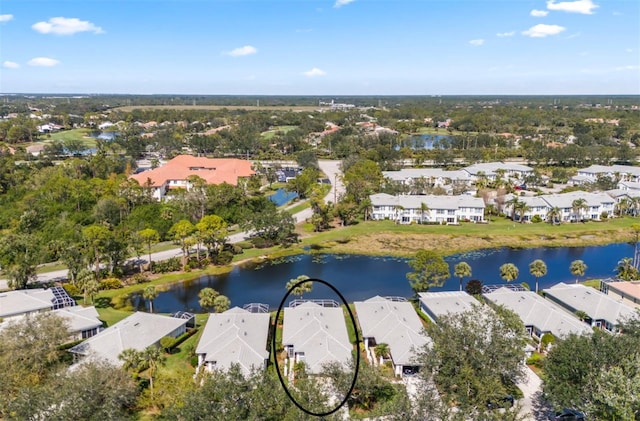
[
  {"x": 316, "y": 335},
  {"x": 392, "y": 321},
  {"x": 596, "y": 204},
  {"x": 138, "y": 331},
  {"x": 20, "y": 303},
  {"x": 539, "y": 316},
  {"x": 82, "y": 322},
  {"x": 234, "y": 337},
  {"x": 406, "y": 209},
  {"x": 438, "y": 304},
  {"x": 626, "y": 292},
  {"x": 601, "y": 311}
]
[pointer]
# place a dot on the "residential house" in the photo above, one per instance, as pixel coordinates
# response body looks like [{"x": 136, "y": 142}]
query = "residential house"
[
  {"x": 602, "y": 311},
  {"x": 138, "y": 331},
  {"x": 83, "y": 322},
  {"x": 20, "y": 303},
  {"x": 596, "y": 204},
  {"x": 393, "y": 322},
  {"x": 492, "y": 170},
  {"x": 236, "y": 336},
  {"x": 316, "y": 335},
  {"x": 406, "y": 209},
  {"x": 438, "y": 304},
  {"x": 626, "y": 292},
  {"x": 434, "y": 177},
  {"x": 614, "y": 172},
  {"x": 539, "y": 316},
  {"x": 633, "y": 186},
  {"x": 175, "y": 173}
]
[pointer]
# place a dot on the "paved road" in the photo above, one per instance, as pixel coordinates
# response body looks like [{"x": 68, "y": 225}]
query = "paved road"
[{"x": 330, "y": 168}]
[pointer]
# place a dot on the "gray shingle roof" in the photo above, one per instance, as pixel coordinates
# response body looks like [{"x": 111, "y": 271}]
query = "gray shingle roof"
[
  {"x": 534, "y": 310},
  {"x": 597, "y": 305},
  {"x": 138, "y": 331},
  {"x": 565, "y": 200},
  {"x": 610, "y": 169},
  {"x": 447, "y": 302},
  {"x": 394, "y": 323},
  {"x": 235, "y": 337},
  {"x": 15, "y": 303},
  {"x": 80, "y": 318},
  {"x": 427, "y": 173},
  {"x": 319, "y": 332},
  {"x": 491, "y": 167}
]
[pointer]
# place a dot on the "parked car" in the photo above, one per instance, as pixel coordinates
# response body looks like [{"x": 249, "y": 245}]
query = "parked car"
[{"x": 568, "y": 414}]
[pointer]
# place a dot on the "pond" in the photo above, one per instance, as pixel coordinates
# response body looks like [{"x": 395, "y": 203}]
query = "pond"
[
  {"x": 361, "y": 277},
  {"x": 427, "y": 141},
  {"x": 282, "y": 196}
]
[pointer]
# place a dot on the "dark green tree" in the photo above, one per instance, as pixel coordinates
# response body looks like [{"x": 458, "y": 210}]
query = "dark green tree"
[{"x": 429, "y": 269}]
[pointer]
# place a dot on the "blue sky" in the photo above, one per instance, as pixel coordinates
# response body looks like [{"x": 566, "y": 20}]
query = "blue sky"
[{"x": 320, "y": 47}]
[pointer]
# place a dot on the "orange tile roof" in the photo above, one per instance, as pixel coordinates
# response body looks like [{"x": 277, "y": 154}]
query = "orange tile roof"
[{"x": 212, "y": 170}]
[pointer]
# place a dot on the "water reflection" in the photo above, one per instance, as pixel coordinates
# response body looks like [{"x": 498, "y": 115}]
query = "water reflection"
[{"x": 361, "y": 277}]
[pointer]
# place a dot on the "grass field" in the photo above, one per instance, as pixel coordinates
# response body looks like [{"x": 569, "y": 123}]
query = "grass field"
[
  {"x": 284, "y": 129},
  {"x": 74, "y": 134},
  {"x": 442, "y": 132},
  {"x": 388, "y": 238},
  {"x": 307, "y": 108}
]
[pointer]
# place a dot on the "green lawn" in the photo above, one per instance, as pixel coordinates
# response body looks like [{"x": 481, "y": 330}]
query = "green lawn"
[
  {"x": 111, "y": 316},
  {"x": 442, "y": 132},
  {"x": 74, "y": 134},
  {"x": 283, "y": 129}
]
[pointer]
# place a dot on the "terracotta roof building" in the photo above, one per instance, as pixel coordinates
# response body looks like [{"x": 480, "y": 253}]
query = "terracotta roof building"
[{"x": 174, "y": 174}]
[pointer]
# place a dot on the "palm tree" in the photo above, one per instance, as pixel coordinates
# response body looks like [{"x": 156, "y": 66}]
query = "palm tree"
[
  {"x": 154, "y": 357},
  {"x": 623, "y": 206},
  {"x": 461, "y": 270},
  {"x": 538, "y": 268},
  {"x": 221, "y": 304},
  {"x": 625, "y": 269},
  {"x": 382, "y": 350},
  {"x": 491, "y": 209},
  {"x": 398, "y": 209},
  {"x": 634, "y": 205},
  {"x": 150, "y": 293},
  {"x": 522, "y": 209},
  {"x": 423, "y": 209},
  {"x": 509, "y": 272},
  {"x": 207, "y": 298},
  {"x": 514, "y": 203},
  {"x": 553, "y": 215},
  {"x": 300, "y": 289},
  {"x": 577, "y": 268},
  {"x": 131, "y": 359},
  {"x": 577, "y": 206}
]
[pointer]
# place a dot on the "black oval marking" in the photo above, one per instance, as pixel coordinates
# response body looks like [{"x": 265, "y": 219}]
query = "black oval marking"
[{"x": 275, "y": 357}]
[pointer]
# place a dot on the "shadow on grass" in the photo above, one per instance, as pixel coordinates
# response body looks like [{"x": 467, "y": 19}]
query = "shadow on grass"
[{"x": 102, "y": 302}]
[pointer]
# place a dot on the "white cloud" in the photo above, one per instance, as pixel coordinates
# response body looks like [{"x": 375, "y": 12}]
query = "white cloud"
[
  {"x": 631, "y": 67},
  {"x": 247, "y": 50},
  {"x": 476, "y": 42},
  {"x": 629, "y": 50},
  {"x": 542, "y": 30},
  {"x": 6, "y": 18},
  {"x": 340, "y": 3},
  {"x": 314, "y": 72},
  {"x": 10, "y": 65},
  {"x": 584, "y": 7},
  {"x": 539, "y": 13},
  {"x": 66, "y": 26},
  {"x": 43, "y": 62},
  {"x": 506, "y": 34}
]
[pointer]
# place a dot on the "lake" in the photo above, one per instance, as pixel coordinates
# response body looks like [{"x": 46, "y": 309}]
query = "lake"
[
  {"x": 361, "y": 277},
  {"x": 427, "y": 141}
]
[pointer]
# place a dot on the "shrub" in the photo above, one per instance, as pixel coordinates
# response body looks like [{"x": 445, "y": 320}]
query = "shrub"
[
  {"x": 139, "y": 278},
  {"x": 535, "y": 359},
  {"x": 245, "y": 245},
  {"x": 168, "y": 343},
  {"x": 122, "y": 302},
  {"x": 110, "y": 283},
  {"x": 72, "y": 290},
  {"x": 473, "y": 287},
  {"x": 223, "y": 258},
  {"x": 169, "y": 265},
  {"x": 536, "y": 219},
  {"x": 604, "y": 216},
  {"x": 236, "y": 249}
]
